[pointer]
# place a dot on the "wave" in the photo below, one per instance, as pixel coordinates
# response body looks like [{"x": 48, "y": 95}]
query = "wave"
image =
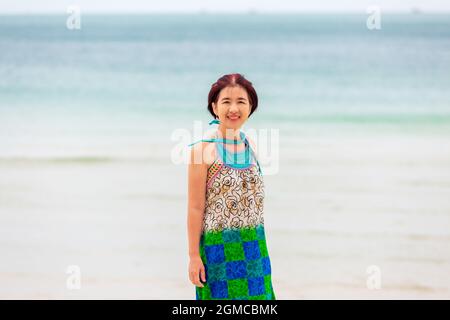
[
  {"x": 80, "y": 160},
  {"x": 364, "y": 119}
]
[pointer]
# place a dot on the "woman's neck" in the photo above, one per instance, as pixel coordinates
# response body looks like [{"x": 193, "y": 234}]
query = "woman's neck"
[{"x": 228, "y": 133}]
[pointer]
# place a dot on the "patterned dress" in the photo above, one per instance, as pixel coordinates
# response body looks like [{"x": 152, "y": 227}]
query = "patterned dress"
[{"x": 233, "y": 244}]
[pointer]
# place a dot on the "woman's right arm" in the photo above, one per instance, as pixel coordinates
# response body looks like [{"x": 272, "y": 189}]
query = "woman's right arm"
[{"x": 197, "y": 173}]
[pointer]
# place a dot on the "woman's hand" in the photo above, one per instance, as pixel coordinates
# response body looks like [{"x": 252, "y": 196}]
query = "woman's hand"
[{"x": 197, "y": 271}]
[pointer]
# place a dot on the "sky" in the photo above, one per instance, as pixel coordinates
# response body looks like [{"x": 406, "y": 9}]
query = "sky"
[{"x": 217, "y": 6}]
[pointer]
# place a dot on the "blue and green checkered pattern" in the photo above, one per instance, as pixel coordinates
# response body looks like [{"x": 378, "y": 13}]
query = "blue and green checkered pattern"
[{"x": 237, "y": 265}]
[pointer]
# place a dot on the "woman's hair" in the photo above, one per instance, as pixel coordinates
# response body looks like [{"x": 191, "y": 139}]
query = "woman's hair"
[{"x": 232, "y": 80}]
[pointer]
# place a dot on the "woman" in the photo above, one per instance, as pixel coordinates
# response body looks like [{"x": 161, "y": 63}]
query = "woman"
[{"x": 227, "y": 245}]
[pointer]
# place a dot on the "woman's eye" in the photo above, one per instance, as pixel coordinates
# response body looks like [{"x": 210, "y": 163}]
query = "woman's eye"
[{"x": 225, "y": 102}]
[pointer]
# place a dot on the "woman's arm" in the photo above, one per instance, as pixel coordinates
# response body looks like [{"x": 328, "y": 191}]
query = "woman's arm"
[{"x": 197, "y": 173}]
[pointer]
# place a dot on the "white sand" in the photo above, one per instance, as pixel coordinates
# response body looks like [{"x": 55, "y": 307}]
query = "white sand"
[{"x": 339, "y": 204}]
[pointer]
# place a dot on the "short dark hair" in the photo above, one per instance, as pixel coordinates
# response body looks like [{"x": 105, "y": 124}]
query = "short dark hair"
[{"x": 232, "y": 80}]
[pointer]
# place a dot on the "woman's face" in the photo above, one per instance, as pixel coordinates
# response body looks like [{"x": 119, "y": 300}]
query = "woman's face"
[{"x": 233, "y": 107}]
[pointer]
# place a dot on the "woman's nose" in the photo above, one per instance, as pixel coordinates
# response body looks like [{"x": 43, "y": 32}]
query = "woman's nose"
[{"x": 234, "y": 108}]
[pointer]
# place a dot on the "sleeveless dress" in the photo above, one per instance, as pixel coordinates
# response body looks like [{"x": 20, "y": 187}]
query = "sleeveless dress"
[{"x": 233, "y": 244}]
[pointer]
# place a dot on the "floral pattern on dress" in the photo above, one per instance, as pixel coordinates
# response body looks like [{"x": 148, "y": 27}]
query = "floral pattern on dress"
[{"x": 234, "y": 198}]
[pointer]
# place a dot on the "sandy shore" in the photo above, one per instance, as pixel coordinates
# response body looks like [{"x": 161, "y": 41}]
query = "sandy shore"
[{"x": 339, "y": 204}]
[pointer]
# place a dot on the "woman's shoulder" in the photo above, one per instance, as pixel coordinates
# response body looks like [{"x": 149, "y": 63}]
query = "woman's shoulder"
[{"x": 204, "y": 151}]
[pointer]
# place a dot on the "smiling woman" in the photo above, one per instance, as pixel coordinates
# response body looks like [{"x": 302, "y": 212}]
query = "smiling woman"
[
  {"x": 238, "y": 100},
  {"x": 227, "y": 244}
]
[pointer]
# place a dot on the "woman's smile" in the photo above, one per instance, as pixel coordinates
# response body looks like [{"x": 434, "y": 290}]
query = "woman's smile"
[{"x": 233, "y": 117}]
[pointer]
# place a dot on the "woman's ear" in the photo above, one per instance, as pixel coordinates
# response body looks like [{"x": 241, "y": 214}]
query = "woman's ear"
[{"x": 215, "y": 109}]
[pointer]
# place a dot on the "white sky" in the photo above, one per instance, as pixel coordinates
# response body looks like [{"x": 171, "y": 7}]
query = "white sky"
[{"x": 143, "y": 6}]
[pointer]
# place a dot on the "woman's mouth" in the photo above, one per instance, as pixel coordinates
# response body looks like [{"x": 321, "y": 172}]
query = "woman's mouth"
[{"x": 233, "y": 118}]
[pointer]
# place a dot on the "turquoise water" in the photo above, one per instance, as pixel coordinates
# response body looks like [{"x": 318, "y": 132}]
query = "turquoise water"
[
  {"x": 149, "y": 63},
  {"x": 133, "y": 75}
]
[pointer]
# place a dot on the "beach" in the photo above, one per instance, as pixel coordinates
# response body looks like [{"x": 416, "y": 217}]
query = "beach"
[{"x": 87, "y": 177}]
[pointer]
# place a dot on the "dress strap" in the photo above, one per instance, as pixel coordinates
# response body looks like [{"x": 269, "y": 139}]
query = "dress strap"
[{"x": 253, "y": 153}]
